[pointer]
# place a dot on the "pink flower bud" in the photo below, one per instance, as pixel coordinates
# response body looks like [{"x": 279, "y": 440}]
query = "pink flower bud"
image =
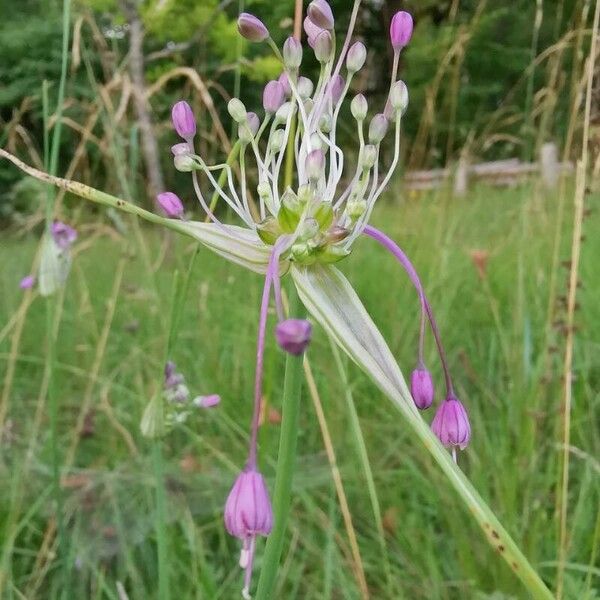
[
  {"x": 180, "y": 149},
  {"x": 320, "y": 14},
  {"x": 273, "y": 96},
  {"x": 337, "y": 87},
  {"x": 206, "y": 401},
  {"x": 323, "y": 46},
  {"x": 285, "y": 82},
  {"x": 292, "y": 53},
  {"x": 184, "y": 121},
  {"x": 252, "y": 28},
  {"x": 294, "y": 335},
  {"x": 27, "y": 282},
  {"x": 312, "y": 31},
  {"x": 248, "y": 509},
  {"x": 451, "y": 423},
  {"x": 170, "y": 203},
  {"x": 63, "y": 235},
  {"x": 253, "y": 122},
  {"x": 401, "y": 29},
  {"x": 377, "y": 128},
  {"x": 356, "y": 57},
  {"x": 421, "y": 387}
]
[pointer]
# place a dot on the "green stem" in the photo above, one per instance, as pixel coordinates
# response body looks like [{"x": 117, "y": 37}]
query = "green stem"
[
  {"x": 161, "y": 538},
  {"x": 285, "y": 468}
]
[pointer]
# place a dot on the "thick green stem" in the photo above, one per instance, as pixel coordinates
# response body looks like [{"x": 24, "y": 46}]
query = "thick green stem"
[{"x": 285, "y": 468}]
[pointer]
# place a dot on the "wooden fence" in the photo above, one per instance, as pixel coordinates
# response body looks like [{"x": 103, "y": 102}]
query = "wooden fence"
[{"x": 506, "y": 173}]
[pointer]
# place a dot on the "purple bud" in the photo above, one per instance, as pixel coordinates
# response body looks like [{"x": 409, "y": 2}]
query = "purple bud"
[
  {"x": 337, "y": 87},
  {"x": 312, "y": 31},
  {"x": 320, "y": 14},
  {"x": 451, "y": 423},
  {"x": 27, "y": 282},
  {"x": 248, "y": 509},
  {"x": 294, "y": 335},
  {"x": 206, "y": 401},
  {"x": 401, "y": 29},
  {"x": 253, "y": 122},
  {"x": 285, "y": 82},
  {"x": 183, "y": 119},
  {"x": 252, "y": 28},
  {"x": 63, "y": 235},
  {"x": 273, "y": 96},
  {"x": 377, "y": 128},
  {"x": 355, "y": 59},
  {"x": 421, "y": 387},
  {"x": 170, "y": 203},
  {"x": 292, "y": 53},
  {"x": 181, "y": 149},
  {"x": 323, "y": 46}
]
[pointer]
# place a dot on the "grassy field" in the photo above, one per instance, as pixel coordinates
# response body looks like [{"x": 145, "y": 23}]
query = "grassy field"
[{"x": 506, "y": 356}]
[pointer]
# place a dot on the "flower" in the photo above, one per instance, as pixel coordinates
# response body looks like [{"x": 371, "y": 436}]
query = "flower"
[
  {"x": 184, "y": 121},
  {"x": 451, "y": 423},
  {"x": 421, "y": 387},
  {"x": 401, "y": 29},
  {"x": 63, "y": 235},
  {"x": 294, "y": 335},
  {"x": 312, "y": 31},
  {"x": 206, "y": 401},
  {"x": 170, "y": 203},
  {"x": 27, "y": 282},
  {"x": 357, "y": 55},
  {"x": 252, "y": 28},
  {"x": 248, "y": 513}
]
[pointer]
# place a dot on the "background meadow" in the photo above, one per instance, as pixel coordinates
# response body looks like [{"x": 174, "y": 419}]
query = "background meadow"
[{"x": 372, "y": 516}]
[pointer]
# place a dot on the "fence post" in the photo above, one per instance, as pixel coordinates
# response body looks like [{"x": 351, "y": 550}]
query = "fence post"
[
  {"x": 461, "y": 177},
  {"x": 549, "y": 167}
]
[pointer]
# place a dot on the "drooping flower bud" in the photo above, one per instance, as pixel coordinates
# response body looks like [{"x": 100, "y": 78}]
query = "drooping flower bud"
[
  {"x": 273, "y": 96},
  {"x": 276, "y": 140},
  {"x": 320, "y": 14},
  {"x": 401, "y": 29},
  {"x": 180, "y": 149},
  {"x": 183, "y": 119},
  {"x": 284, "y": 112},
  {"x": 171, "y": 204},
  {"x": 421, "y": 387},
  {"x": 315, "y": 164},
  {"x": 27, "y": 282},
  {"x": 305, "y": 87},
  {"x": 356, "y": 57},
  {"x": 252, "y": 28},
  {"x": 253, "y": 122},
  {"x": 182, "y": 157},
  {"x": 294, "y": 335},
  {"x": 451, "y": 423},
  {"x": 377, "y": 128},
  {"x": 237, "y": 110},
  {"x": 399, "y": 97},
  {"x": 63, "y": 235},
  {"x": 323, "y": 46},
  {"x": 292, "y": 53},
  {"x": 359, "y": 107},
  {"x": 312, "y": 31}
]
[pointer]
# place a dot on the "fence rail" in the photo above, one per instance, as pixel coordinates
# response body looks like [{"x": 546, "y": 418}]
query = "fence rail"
[{"x": 504, "y": 173}]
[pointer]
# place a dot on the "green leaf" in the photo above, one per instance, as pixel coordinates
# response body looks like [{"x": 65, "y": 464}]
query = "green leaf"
[{"x": 332, "y": 301}]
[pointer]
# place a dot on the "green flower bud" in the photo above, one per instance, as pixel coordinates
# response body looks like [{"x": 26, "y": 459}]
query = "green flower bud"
[
  {"x": 369, "y": 156},
  {"x": 237, "y": 110},
  {"x": 359, "y": 107}
]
